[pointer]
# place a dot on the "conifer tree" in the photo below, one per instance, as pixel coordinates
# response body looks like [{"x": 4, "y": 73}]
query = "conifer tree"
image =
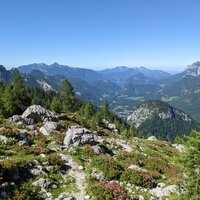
[{"x": 56, "y": 105}]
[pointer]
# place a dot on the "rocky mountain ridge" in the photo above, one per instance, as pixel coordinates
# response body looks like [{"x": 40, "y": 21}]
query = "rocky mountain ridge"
[
  {"x": 124, "y": 88},
  {"x": 167, "y": 118}
]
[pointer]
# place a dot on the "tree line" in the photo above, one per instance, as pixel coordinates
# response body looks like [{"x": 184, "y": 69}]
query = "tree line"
[{"x": 15, "y": 97}]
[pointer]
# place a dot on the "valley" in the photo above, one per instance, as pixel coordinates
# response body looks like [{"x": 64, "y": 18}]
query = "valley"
[{"x": 124, "y": 88}]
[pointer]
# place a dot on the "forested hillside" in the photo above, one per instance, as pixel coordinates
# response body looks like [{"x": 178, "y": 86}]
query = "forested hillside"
[{"x": 80, "y": 151}]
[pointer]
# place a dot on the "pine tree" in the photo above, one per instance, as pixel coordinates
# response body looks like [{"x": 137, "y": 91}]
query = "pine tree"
[
  {"x": 67, "y": 88},
  {"x": 86, "y": 111},
  {"x": 56, "y": 105},
  {"x": 67, "y": 97},
  {"x": 19, "y": 92},
  {"x": 105, "y": 111},
  {"x": 97, "y": 119},
  {"x": 9, "y": 103},
  {"x": 132, "y": 132}
]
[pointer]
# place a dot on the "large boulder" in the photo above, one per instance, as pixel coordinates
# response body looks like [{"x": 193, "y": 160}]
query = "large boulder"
[
  {"x": 110, "y": 126},
  {"x": 179, "y": 147},
  {"x": 98, "y": 149},
  {"x": 49, "y": 127},
  {"x": 16, "y": 119},
  {"x": 41, "y": 183},
  {"x": 3, "y": 139},
  {"x": 161, "y": 192},
  {"x": 36, "y": 113},
  {"x": 152, "y": 138},
  {"x": 79, "y": 136},
  {"x": 23, "y": 138}
]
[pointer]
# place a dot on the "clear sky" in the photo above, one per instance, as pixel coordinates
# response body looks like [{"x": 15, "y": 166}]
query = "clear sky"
[{"x": 100, "y": 33}]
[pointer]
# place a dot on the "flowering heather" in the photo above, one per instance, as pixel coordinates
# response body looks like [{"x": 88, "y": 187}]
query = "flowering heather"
[{"x": 109, "y": 191}]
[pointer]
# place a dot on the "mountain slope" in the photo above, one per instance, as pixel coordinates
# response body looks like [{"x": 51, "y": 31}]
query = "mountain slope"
[
  {"x": 162, "y": 120},
  {"x": 5, "y": 75},
  {"x": 121, "y": 74},
  {"x": 57, "y": 69},
  {"x": 191, "y": 70}
]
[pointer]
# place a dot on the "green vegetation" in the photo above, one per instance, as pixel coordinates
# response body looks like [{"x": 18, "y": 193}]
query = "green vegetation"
[
  {"x": 154, "y": 161},
  {"x": 191, "y": 163},
  {"x": 110, "y": 168},
  {"x": 138, "y": 178},
  {"x": 164, "y": 121}
]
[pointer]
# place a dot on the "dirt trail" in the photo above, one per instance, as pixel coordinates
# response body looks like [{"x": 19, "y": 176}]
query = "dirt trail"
[{"x": 78, "y": 175}]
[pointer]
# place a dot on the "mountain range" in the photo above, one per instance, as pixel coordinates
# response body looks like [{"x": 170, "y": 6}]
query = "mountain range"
[{"x": 124, "y": 87}]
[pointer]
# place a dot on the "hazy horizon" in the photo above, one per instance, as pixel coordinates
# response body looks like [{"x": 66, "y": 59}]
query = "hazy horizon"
[
  {"x": 100, "y": 68},
  {"x": 100, "y": 34}
]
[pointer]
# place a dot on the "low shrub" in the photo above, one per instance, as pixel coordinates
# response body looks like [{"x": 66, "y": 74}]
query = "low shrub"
[
  {"x": 9, "y": 132},
  {"x": 138, "y": 178},
  {"x": 9, "y": 168},
  {"x": 54, "y": 159},
  {"x": 110, "y": 168},
  {"x": 38, "y": 149},
  {"x": 82, "y": 154},
  {"x": 126, "y": 159},
  {"x": 27, "y": 192},
  {"x": 58, "y": 137},
  {"x": 158, "y": 164},
  {"x": 105, "y": 190}
]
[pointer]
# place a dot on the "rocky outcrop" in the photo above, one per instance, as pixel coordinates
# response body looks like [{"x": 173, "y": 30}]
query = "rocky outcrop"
[
  {"x": 42, "y": 183},
  {"x": 98, "y": 149},
  {"x": 160, "y": 191},
  {"x": 137, "y": 168},
  {"x": 179, "y": 147},
  {"x": 152, "y": 138},
  {"x": 3, "y": 139},
  {"x": 38, "y": 114},
  {"x": 154, "y": 108},
  {"x": 49, "y": 127},
  {"x": 110, "y": 126},
  {"x": 193, "y": 69},
  {"x": 16, "y": 119},
  {"x": 162, "y": 120},
  {"x": 79, "y": 136}
]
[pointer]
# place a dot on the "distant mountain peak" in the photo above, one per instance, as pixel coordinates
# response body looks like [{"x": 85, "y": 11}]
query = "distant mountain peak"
[
  {"x": 2, "y": 68},
  {"x": 194, "y": 65},
  {"x": 193, "y": 69},
  {"x": 55, "y": 64}
]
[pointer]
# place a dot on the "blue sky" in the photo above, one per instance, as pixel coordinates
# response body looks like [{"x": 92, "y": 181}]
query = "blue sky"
[{"x": 100, "y": 33}]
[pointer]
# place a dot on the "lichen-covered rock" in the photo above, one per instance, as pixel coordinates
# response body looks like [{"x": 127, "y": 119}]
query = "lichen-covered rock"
[
  {"x": 36, "y": 114},
  {"x": 23, "y": 138},
  {"x": 3, "y": 139},
  {"x": 41, "y": 183},
  {"x": 98, "y": 149},
  {"x": 179, "y": 147},
  {"x": 64, "y": 196},
  {"x": 152, "y": 138},
  {"x": 79, "y": 136},
  {"x": 111, "y": 126},
  {"x": 137, "y": 168},
  {"x": 160, "y": 192},
  {"x": 49, "y": 127},
  {"x": 16, "y": 119}
]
